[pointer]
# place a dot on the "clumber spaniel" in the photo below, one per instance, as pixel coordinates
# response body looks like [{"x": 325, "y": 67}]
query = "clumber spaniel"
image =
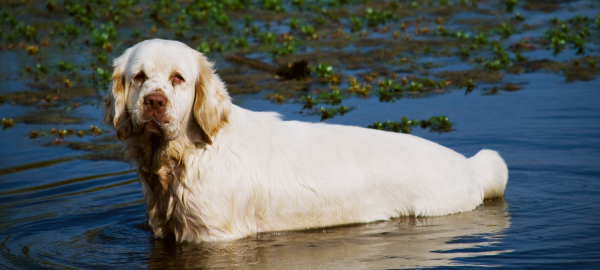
[{"x": 211, "y": 170}]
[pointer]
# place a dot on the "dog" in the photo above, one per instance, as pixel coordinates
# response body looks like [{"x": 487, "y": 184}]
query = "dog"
[{"x": 212, "y": 171}]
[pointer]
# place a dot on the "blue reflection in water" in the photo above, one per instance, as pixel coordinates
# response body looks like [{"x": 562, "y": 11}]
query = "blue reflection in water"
[{"x": 86, "y": 214}]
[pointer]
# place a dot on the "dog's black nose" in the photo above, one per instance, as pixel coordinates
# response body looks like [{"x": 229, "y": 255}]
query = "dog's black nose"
[{"x": 155, "y": 102}]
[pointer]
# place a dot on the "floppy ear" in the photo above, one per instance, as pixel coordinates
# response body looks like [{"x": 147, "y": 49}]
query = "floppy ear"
[
  {"x": 212, "y": 103},
  {"x": 115, "y": 114}
]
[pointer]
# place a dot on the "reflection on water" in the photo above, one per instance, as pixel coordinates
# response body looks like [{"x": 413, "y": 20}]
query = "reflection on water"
[
  {"x": 401, "y": 243},
  {"x": 86, "y": 214},
  {"x": 98, "y": 221}
]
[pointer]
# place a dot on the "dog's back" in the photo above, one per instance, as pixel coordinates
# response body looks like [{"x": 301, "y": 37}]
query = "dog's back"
[{"x": 315, "y": 175}]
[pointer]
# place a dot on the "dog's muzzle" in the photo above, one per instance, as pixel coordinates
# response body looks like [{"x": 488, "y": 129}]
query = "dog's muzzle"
[{"x": 155, "y": 108}]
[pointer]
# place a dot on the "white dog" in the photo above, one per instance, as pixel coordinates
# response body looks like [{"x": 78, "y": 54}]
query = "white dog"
[{"x": 211, "y": 170}]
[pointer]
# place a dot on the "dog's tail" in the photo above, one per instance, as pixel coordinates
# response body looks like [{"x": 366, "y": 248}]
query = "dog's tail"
[{"x": 491, "y": 172}]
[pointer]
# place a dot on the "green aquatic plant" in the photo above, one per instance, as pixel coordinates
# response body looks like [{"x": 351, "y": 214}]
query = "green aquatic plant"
[
  {"x": 327, "y": 113},
  {"x": 248, "y": 20},
  {"x": 7, "y": 123},
  {"x": 493, "y": 65},
  {"x": 222, "y": 19},
  {"x": 506, "y": 30},
  {"x": 464, "y": 52},
  {"x": 240, "y": 42},
  {"x": 204, "y": 47},
  {"x": 285, "y": 48},
  {"x": 308, "y": 102},
  {"x": 334, "y": 97},
  {"x": 104, "y": 75},
  {"x": 101, "y": 57},
  {"x": 439, "y": 124},
  {"x": 64, "y": 66},
  {"x": 267, "y": 38},
  {"x": 274, "y": 5},
  {"x": 308, "y": 30},
  {"x": 414, "y": 86},
  {"x": 469, "y": 86},
  {"x": 323, "y": 70},
  {"x": 42, "y": 69},
  {"x": 461, "y": 35},
  {"x": 481, "y": 39},
  {"x": 67, "y": 30},
  {"x": 518, "y": 17},
  {"x": 510, "y": 5},
  {"x": 294, "y": 23},
  {"x": 356, "y": 87},
  {"x": 23, "y": 32},
  {"x": 375, "y": 17},
  {"x": 388, "y": 90},
  {"x": 355, "y": 23},
  {"x": 106, "y": 33},
  {"x": 578, "y": 20},
  {"x": 563, "y": 34},
  {"x": 501, "y": 53},
  {"x": 299, "y": 3}
]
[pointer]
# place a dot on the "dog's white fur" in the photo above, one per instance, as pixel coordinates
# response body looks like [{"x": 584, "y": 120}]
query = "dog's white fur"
[{"x": 216, "y": 171}]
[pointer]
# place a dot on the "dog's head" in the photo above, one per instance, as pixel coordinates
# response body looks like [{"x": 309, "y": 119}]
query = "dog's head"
[{"x": 160, "y": 87}]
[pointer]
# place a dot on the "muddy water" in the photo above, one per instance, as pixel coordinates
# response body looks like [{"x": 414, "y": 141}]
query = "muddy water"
[{"x": 70, "y": 202}]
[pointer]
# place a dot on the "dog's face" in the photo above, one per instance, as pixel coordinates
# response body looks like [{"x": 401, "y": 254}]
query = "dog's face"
[{"x": 160, "y": 87}]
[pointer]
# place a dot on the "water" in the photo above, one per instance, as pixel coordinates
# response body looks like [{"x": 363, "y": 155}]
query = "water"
[
  {"x": 63, "y": 206},
  {"x": 90, "y": 214}
]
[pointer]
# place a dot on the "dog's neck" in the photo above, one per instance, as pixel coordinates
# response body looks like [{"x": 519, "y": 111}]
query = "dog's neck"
[{"x": 161, "y": 167}]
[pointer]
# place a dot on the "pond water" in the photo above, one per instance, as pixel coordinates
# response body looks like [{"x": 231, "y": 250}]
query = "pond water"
[
  {"x": 89, "y": 214},
  {"x": 62, "y": 206}
]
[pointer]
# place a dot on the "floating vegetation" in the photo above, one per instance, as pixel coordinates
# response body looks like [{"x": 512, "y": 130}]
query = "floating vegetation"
[
  {"x": 278, "y": 44},
  {"x": 63, "y": 133},
  {"x": 574, "y": 31},
  {"x": 327, "y": 113},
  {"x": 7, "y": 123},
  {"x": 439, "y": 124},
  {"x": 323, "y": 70}
]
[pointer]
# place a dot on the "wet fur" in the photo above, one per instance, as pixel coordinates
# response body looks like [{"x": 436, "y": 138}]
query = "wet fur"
[{"x": 219, "y": 172}]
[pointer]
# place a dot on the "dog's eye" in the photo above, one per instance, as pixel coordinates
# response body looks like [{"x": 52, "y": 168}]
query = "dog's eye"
[
  {"x": 141, "y": 77},
  {"x": 177, "y": 79}
]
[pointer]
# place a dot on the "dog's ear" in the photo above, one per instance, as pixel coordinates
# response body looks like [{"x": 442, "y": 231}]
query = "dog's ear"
[
  {"x": 114, "y": 111},
  {"x": 212, "y": 103}
]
